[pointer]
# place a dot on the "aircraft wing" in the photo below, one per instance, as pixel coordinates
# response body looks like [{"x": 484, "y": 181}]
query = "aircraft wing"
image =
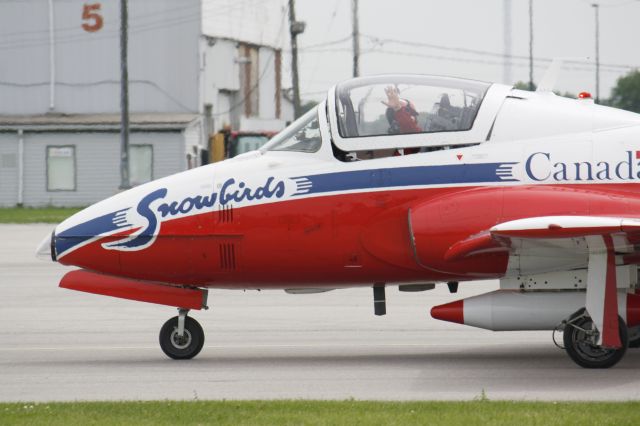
[{"x": 599, "y": 238}]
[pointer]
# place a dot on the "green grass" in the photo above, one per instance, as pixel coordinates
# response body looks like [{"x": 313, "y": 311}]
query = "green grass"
[
  {"x": 299, "y": 412},
  {"x": 36, "y": 215}
]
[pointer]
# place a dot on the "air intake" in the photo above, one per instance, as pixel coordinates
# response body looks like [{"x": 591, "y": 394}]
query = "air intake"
[
  {"x": 227, "y": 256},
  {"x": 225, "y": 214}
]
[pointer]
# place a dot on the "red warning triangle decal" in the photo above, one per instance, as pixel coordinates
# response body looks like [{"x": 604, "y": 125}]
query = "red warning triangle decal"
[{"x": 459, "y": 156}]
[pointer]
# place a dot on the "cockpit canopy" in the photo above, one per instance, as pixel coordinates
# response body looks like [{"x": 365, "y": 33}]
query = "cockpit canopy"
[
  {"x": 402, "y": 111},
  {"x": 426, "y": 105}
]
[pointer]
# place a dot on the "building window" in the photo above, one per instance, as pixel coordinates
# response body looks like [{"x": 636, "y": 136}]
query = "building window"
[
  {"x": 140, "y": 164},
  {"x": 61, "y": 168}
]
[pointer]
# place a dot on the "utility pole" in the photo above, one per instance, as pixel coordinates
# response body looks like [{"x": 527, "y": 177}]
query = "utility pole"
[
  {"x": 295, "y": 28},
  {"x": 596, "y": 7},
  {"x": 531, "y": 45},
  {"x": 124, "y": 99},
  {"x": 356, "y": 38},
  {"x": 507, "y": 78}
]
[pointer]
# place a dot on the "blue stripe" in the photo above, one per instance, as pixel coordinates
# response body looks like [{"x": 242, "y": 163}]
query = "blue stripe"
[
  {"x": 87, "y": 230},
  {"x": 406, "y": 176}
]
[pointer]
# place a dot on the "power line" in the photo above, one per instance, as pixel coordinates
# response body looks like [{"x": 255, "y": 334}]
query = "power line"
[
  {"x": 124, "y": 96},
  {"x": 356, "y": 38},
  {"x": 153, "y": 24},
  {"x": 133, "y": 18},
  {"x": 596, "y": 7},
  {"x": 151, "y": 83},
  {"x": 295, "y": 28},
  {"x": 377, "y": 41},
  {"x": 581, "y": 66},
  {"x": 530, "y": 44},
  {"x": 466, "y": 60},
  {"x": 506, "y": 35},
  {"x": 619, "y": 4},
  {"x": 237, "y": 105},
  {"x": 206, "y": 10},
  {"x": 98, "y": 83},
  {"x": 324, "y": 44}
]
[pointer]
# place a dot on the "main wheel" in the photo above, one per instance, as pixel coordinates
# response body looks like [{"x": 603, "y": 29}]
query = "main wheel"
[
  {"x": 185, "y": 347},
  {"x": 584, "y": 352}
]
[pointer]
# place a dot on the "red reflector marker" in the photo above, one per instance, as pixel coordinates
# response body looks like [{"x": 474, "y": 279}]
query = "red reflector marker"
[{"x": 584, "y": 95}]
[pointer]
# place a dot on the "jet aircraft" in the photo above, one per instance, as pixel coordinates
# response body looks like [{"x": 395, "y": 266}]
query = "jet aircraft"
[{"x": 395, "y": 180}]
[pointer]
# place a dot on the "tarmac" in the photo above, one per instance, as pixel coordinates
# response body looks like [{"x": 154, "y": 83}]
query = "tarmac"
[{"x": 61, "y": 345}]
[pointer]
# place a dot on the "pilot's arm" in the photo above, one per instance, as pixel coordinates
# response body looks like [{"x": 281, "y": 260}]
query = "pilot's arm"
[{"x": 403, "y": 112}]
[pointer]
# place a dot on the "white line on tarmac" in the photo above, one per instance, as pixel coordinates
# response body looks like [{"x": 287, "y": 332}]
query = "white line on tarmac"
[{"x": 274, "y": 346}]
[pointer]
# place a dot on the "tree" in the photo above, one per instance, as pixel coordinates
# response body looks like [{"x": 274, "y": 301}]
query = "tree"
[
  {"x": 626, "y": 93},
  {"x": 525, "y": 86},
  {"x": 521, "y": 85}
]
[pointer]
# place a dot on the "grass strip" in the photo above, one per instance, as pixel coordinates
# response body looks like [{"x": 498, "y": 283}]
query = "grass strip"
[
  {"x": 301, "y": 412},
  {"x": 36, "y": 215}
]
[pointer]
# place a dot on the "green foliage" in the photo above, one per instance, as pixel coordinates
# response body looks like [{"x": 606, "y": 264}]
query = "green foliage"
[
  {"x": 36, "y": 215},
  {"x": 523, "y": 85},
  {"x": 566, "y": 95},
  {"x": 626, "y": 93},
  {"x": 300, "y": 412}
]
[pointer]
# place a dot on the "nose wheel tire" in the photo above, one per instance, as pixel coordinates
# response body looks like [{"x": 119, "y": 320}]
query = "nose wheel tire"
[
  {"x": 181, "y": 347},
  {"x": 579, "y": 342}
]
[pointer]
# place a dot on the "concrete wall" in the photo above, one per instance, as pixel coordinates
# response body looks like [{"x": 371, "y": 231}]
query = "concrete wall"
[
  {"x": 97, "y": 165},
  {"x": 163, "y": 57}
]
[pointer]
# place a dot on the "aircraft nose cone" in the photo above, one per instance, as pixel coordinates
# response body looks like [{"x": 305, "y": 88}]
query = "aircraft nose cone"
[{"x": 45, "y": 249}]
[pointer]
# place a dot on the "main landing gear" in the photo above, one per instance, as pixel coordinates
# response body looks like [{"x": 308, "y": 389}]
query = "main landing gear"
[
  {"x": 580, "y": 337},
  {"x": 181, "y": 337}
]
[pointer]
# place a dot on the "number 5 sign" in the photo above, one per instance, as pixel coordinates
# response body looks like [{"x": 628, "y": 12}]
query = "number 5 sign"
[{"x": 90, "y": 13}]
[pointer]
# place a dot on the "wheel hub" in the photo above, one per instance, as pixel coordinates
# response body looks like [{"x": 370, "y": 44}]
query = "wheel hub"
[{"x": 180, "y": 342}]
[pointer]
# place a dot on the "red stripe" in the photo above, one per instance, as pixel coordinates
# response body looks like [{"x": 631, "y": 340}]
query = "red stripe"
[
  {"x": 633, "y": 310},
  {"x": 610, "y": 333}
]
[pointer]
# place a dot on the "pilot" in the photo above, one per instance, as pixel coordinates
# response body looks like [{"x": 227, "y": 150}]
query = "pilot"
[
  {"x": 402, "y": 117},
  {"x": 401, "y": 114}
]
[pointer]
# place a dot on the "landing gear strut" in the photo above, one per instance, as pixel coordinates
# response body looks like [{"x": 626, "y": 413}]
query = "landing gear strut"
[
  {"x": 181, "y": 337},
  {"x": 580, "y": 337}
]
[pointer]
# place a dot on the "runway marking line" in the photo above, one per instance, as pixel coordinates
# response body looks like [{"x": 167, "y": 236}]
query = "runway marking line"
[{"x": 274, "y": 346}]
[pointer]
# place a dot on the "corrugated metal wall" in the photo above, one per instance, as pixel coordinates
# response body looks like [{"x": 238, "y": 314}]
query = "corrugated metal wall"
[
  {"x": 97, "y": 165},
  {"x": 163, "y": 56}
]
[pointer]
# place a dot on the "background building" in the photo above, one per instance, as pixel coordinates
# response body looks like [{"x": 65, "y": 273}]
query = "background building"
[{"x": 195, "y": 66}]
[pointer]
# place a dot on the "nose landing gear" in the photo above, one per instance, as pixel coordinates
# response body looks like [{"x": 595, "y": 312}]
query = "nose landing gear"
[{"x": 181, "y": 337}]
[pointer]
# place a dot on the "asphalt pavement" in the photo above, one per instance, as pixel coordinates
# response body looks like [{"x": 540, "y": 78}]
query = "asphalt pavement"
[{"x": 61, "y": 345}]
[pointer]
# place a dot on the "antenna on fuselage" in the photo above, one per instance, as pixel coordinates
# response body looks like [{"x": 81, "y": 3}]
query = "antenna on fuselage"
[{"x": 550, "y": 77}]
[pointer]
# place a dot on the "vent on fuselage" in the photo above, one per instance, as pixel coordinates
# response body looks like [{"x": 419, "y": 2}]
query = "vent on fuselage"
[
  {"x": 225, "y": 214},
  {"x": 227, "y": 256}
]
